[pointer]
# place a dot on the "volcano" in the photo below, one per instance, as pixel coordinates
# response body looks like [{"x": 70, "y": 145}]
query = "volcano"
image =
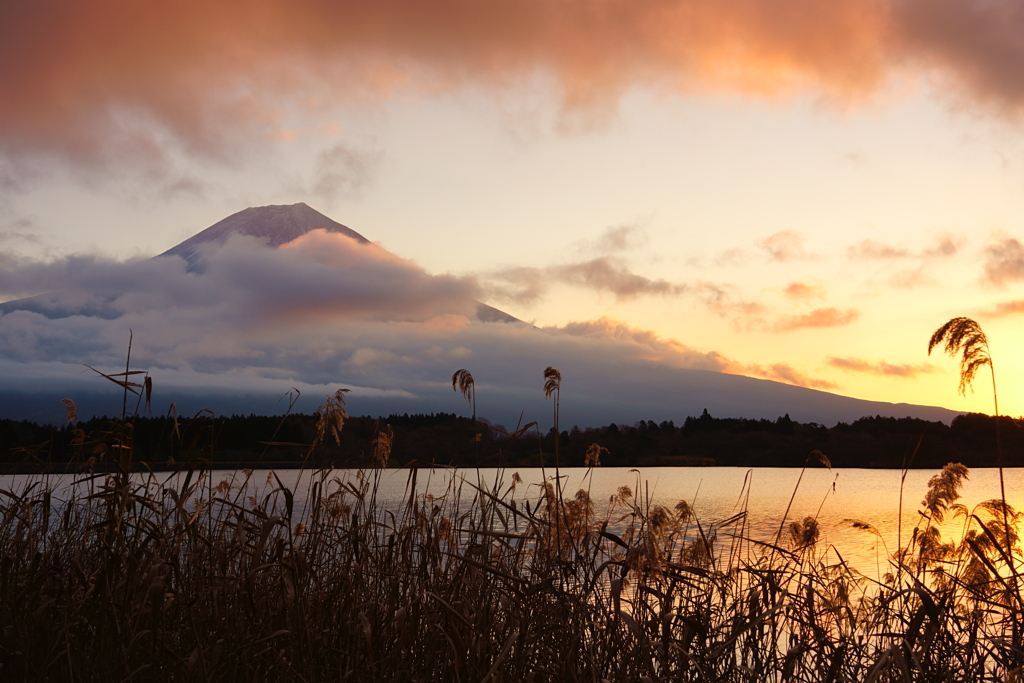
[
  {"x": 282, "y": 298},
  {"x": 273, "y": 225},
  {"x": 278, "y": 224}
]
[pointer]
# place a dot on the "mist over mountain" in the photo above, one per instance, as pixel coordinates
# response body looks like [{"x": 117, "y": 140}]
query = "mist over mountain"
[
  {"x": 272, "y": 225},
  {"x": 280, "y": 298}
]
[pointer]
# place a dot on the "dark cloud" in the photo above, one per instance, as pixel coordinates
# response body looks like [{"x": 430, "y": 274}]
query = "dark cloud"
[
  {"x": 881, "y": 367},
  {"x": 1004, "y": 262},
  {"x": 974, "y": 45},
  {"x": 115, "y": 81},
  {"x": 83, "y": 79}
]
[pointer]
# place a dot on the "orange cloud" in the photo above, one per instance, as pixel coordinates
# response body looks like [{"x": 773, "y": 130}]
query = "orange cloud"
[
  {"x": 648, "y": 345},
  {"x": 85, "y": 80},
  {"x": 802, "y": 291},
  {"x": 787, "y": 245},
  {"x": 1007, "y": 308},
  {"x": 114, "y": 79},
  {"x": 819, "y": 317},
  {"x": 783, "y": 372},
  {"x": 873, "y": 249},
  {"x": 881, "y": 367},
  {"x": 945, "y": 246}
]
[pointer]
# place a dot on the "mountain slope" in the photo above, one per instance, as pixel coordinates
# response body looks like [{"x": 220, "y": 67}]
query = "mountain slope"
[
  {"x": 274, "y": 224},
  {"x": 239, "y": 322}
]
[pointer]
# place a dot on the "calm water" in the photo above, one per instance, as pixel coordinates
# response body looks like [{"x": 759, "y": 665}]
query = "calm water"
[{"x": 715, "y": 493}]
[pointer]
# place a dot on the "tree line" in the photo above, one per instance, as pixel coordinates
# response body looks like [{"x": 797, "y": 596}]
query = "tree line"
[{"x": 446, "y": 439}]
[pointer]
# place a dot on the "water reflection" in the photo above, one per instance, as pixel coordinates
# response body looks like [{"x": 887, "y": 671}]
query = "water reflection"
[{"x": 834, "y": 497}]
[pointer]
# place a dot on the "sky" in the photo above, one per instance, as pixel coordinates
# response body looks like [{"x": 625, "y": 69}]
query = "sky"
[{"x": 800, "y": 192}]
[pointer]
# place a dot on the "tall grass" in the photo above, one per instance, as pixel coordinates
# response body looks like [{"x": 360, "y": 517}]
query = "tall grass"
[{"x": 181, "y": 577}]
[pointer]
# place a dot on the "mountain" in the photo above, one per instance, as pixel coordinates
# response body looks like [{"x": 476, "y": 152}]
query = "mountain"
[
  {"x": 275, "y": 225},
  {"x": 239, "y": 324}
]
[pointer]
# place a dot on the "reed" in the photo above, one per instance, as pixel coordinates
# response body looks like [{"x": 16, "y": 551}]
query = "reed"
[
  {"x": 147, "y": 577},
  {"x": 462, "y": 381}
]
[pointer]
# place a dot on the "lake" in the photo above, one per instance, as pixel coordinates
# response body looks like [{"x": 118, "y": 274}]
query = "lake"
[{"x": 715, "y": 493}]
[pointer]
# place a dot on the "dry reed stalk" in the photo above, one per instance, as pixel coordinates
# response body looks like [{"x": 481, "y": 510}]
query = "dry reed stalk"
[
  {"x": 462, "y": 381},
  {"x": 965, "y": 336},
  {"x": 180, "y": 577}
]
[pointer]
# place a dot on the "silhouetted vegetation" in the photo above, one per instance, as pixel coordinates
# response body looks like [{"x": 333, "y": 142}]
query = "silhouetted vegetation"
[
  {"x": 204, "y": 577},
  {"x": 448, "y": 439}
]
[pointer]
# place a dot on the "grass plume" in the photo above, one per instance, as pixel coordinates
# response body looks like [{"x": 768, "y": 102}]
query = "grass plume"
[
  {"x": 462, "y": 381},
  {"x": 185, "y": 577},
  {"x": 965, "y": 337}
]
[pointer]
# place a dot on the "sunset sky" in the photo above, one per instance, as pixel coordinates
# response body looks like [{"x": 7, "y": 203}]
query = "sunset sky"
[{"x": 803, "y": 190}]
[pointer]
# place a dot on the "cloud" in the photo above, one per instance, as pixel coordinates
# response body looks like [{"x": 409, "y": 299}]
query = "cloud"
[
  {"x": 872, "y": 249},
  {"x": 784, "y": 246},
  {"x": 803, "y": 291},
  {"x": 854, "y": 157},
  {"x": 783, "y": 372},
  {"x": 116, "y": 81},
  {"x": 343, "y": 171},
  {"x": 19, "y": 231},
  {"x": 881, "y": 367},
  {"x": 655, "y": 348},
  {"x": 731, "y": 257},
  {"x": 944, "y": 247},
  {"x": 606, "y": 273},
  {"x": 973, "y": 46},
  {"x": 910, "y": 278},
  {"x": 603, "y": 274},
  {"x": 615, "y": 239},
  {"x": 1004, "y": 262},
  {"x": 326, "y": 311},
  {"x": 819, "y": 317},
  {"x": 722, "y": 298},
  {"x": 241, "y": 281},
  {"x": 1004, "y": 308}
]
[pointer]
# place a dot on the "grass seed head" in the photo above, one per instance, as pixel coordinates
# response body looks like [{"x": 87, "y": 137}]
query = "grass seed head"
[
  {"x": 70, "y": 410},
  {"x": 552, "y": 381},
  {"x": 964, "y": 336}
]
